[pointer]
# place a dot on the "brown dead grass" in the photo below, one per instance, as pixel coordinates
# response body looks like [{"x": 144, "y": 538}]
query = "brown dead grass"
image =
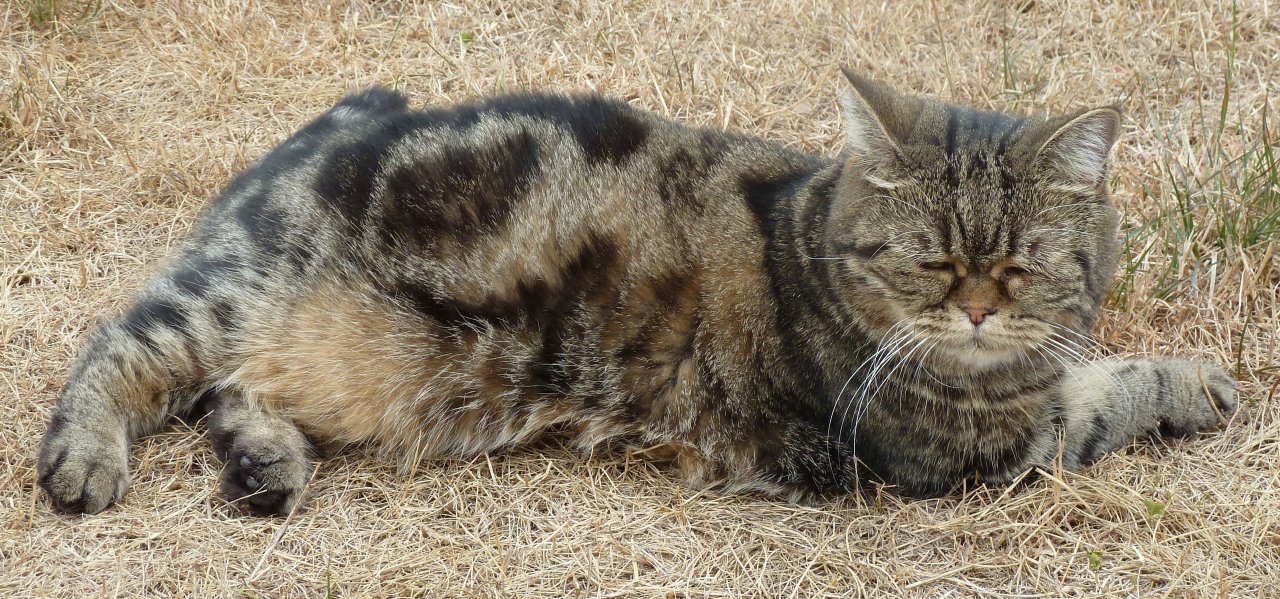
[{"x": 117, "y": 122}]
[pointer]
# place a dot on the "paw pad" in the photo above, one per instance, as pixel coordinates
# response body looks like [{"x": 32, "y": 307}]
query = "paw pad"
[{"x": 266, "y": 485}]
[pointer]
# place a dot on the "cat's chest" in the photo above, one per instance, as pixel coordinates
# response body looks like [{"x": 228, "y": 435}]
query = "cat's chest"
[{"x": 978, "y": 416}]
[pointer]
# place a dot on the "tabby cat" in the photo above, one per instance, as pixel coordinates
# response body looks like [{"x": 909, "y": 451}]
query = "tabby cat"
[{"x": 455, "y": 281}]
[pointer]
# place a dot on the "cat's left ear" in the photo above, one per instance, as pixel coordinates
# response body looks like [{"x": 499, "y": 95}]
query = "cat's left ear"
[{"x": 1076, "y": 152}]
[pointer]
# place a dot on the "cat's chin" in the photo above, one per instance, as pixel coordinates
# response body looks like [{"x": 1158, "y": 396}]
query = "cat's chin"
[{"x": 976, "y": 355}]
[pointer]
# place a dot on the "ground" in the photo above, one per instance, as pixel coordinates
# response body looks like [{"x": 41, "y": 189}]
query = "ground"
[{"x": 119, "y": 119}]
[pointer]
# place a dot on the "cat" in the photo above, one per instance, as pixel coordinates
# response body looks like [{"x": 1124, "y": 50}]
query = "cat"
[{"x": 460, "y": 280}]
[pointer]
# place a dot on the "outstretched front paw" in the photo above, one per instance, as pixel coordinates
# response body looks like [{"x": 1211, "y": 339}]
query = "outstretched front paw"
[
  {"x": 82, "y": 468},
  {"x": 1197, "y": 396}
]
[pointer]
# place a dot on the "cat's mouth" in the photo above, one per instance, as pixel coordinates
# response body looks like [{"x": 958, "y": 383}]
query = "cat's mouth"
[
  {"x": 955, "y": 344},
  {"x": 986, "y": 350},
  {"x": 981, "y": 348}
]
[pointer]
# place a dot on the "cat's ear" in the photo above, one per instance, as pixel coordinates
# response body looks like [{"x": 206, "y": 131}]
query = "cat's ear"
[
  {"x": 865, "y": 105},
  {"x": 1075, "y": 154}
]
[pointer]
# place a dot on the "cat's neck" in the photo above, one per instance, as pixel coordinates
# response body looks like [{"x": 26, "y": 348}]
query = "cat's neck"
[{"x": 819, "y": 331}]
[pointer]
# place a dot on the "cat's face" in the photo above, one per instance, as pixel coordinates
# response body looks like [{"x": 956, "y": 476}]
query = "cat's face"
[{"x": 973, "y": 239}]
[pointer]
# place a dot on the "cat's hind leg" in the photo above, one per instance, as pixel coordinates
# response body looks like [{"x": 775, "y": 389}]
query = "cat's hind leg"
[
  {"x": 265, "y": 456},
  {"x": 133, "y": 374},
  {"x": 789, "y": 457},
  {"x": 251, "y": 251}
]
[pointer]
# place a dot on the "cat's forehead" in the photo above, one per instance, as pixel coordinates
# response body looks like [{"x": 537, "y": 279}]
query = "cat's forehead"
[
  {"x": 971, "y": 161},
  {"x": 970, "y": 177},
  {"x": 960, "y": 131}
]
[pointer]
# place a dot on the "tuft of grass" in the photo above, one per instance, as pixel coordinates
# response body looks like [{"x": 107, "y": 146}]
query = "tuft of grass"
[
  {"x": 1020, "y": 88},
  {"x": 7, "y": 134},
  {"x": 1241, "y": 192},
  {"x": 1235, "y": 182},
  {"x": 44, "y": 14}
]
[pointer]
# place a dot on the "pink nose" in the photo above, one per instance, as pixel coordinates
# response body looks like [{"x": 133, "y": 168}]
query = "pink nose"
[{"x": 977, "y": 315}]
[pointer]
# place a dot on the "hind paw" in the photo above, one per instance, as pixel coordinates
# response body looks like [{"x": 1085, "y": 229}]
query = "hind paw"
[
  {"x": 83, "y": 470},
  {"x": 267, "y": 480}
]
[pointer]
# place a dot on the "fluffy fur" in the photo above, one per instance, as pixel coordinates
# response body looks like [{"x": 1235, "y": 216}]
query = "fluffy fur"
[{"x": 459, "y": 280}]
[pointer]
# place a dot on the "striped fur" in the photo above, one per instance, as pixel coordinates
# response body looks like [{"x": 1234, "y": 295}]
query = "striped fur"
[{"x": 460, "y": 280}]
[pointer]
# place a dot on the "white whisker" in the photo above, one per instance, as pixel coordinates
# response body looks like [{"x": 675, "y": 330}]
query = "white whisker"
[
  {"x": 891, "y": 333},
  {"x": 865, "y": 398},
  {"x": 883, "y": 353}
]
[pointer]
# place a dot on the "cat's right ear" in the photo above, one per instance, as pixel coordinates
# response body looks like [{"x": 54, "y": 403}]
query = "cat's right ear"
[{"x": 865, "y": 105}]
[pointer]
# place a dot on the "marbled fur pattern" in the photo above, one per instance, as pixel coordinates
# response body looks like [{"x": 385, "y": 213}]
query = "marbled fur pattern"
[{"x": 457, "y": 281}]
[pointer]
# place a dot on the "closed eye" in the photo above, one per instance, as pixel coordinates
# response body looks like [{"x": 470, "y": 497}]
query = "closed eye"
[
  {"x": 1014, "y": 271},
  {"x": 938, "y": 266}
]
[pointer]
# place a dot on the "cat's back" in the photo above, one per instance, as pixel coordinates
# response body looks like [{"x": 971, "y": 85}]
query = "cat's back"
[
  {"x": 372, "y": 144},
  {"x": 374, "y": 175}
]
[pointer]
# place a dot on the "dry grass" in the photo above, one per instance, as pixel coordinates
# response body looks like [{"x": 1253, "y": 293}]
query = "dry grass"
[{"x": 118, "y": 120}]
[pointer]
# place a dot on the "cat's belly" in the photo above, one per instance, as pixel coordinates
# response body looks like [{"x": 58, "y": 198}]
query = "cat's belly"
[{"x": 349, "y": 366}]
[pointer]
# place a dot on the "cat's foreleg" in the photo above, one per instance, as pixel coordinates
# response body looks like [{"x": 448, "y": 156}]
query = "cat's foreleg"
[
  {"x": 793, "y": 459},
  {"x": 1108, "y": 403}
]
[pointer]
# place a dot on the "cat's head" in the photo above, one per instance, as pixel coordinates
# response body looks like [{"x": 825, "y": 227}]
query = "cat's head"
[{"x": 979, "y": 239}]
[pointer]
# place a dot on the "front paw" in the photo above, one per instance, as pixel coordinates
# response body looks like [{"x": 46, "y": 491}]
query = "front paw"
[
  {"x": 82, "y": 468},
  {"x": 1196, "y": 396}
]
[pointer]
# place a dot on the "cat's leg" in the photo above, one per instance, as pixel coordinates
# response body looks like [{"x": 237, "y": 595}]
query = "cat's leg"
[
  {"x": 804, "y": 463},
  {"x": 266, "y": 457},
  {"x": 247, "y": 259},
  {"x": 1106, "y": 404},
  {"x": 133, "y": 374},
  {"x": 789, "y": 457}
]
